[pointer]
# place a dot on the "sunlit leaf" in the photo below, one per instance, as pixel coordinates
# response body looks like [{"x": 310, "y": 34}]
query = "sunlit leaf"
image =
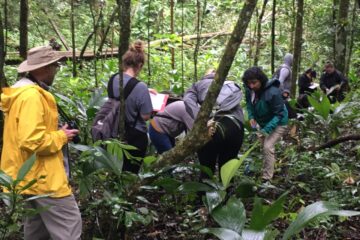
[
  {"x": 229, "y": 169},
  {"x": 313, "y": 211},
  {"x": 222, "y": 233},
  {"x": 231, "y": 216}
]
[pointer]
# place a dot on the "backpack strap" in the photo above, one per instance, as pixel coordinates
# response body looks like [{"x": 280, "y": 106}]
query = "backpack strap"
[
  {"x": 130, "y": 86},
  {"x": 127, "y": 89}
]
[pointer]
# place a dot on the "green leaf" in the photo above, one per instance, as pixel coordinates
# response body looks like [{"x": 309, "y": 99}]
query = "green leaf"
[
  {"x": 25, "y": 168},
  {"x": 222, "y": 233},
  {"x": 231, "y": 216},
  {"x": 253, "y": 235},
  {"x": 28, "y": 185},
  {"x": 322, "y": 107},
  {"x": 149, "y": 160},
  {"x": 169, "y": 184},
  {"x": 5, "y": 180},
  {"x": 314, "y": 211},
  {"x": 262, "y": 216},
  {"x": 229, "y": 169},
  {"x": 131, "y": 217},
  {"x": 214, "y": 198},
  {"x": 109, "y": 161},
  {"x": 190, "y": 187},
  {"x": 259, "y": 235}
]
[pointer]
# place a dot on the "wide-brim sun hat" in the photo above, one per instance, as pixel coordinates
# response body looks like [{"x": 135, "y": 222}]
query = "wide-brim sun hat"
[{"x": 39, "y": 57}]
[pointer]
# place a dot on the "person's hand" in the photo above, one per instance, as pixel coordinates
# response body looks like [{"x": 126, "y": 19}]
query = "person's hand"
[
  {"x": 211, "y": 124},
  {"x": 285, "y": 94},
  {"x": 261, "y": 136},
  {"x": 70, "y": 133},
  {"x": 153, "y": 91},
  {"x": 253, "y": 123}
]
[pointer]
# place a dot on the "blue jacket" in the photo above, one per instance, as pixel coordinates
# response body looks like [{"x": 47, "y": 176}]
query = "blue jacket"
[{"x": 269, "y": 109}]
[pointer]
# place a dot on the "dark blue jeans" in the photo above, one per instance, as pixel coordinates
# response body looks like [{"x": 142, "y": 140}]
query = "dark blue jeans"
[{"x": 161, "y": 141}]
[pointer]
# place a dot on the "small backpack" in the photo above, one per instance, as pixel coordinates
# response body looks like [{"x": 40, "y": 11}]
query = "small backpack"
[{"x": 106, "y": 122}]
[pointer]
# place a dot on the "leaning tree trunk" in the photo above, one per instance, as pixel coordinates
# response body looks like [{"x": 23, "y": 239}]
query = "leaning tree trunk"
[
  {"x": 273, "y": 37},
  {"x": 198, "y": 136},
  {"x": 297, "y": 45},
  {"x": 72, "y": 22},
  {"x": 24, "y": 15},
  {"x": 125, "y": 31},
  {"x": 258, "y": 37},
  {"x": 341, "y": 35},
  {"x": 107, "y": 29},
  {"x": 55, "y": 28}
]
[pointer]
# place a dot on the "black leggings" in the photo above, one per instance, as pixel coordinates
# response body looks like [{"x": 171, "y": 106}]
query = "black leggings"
[
  {"x": 139, "y": 140},
  {"x": 223, "y": 146}
]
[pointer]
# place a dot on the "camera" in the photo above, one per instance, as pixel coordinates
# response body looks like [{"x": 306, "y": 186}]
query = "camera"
[{"x": 72, "y": 125}]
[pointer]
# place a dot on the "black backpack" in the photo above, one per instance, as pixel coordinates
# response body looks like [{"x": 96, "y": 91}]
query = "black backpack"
[{"x": 106, "y": 122}]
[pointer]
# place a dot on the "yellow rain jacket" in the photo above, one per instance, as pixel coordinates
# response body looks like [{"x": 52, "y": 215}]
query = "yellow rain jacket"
[{"x": 31, "y": 126}]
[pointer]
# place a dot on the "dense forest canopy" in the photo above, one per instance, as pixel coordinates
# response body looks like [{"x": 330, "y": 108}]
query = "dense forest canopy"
[
  {"x": 317, "y": 170},
  {"x": 151, "y": 21}
]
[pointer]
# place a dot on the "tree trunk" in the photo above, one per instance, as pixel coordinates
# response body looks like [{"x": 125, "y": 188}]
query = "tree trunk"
[
  {"x": 341, "y": 35},
  {"x": 293, "y": 17},
  {"x": 72, "y": 23},
  {"x": 2, "y": 54},
  {"x": 172, "y": 50},
  {"x": 5, "y": 26},
  {"x": 2, "y": 77},
  {"x": 273, "y": 37},
  {"x": 351, "y": 39},
  {"x": 258, "y": 38},
  {"x": 252, "y": 35},
  {"x": 197, "y": 137},
  {"x": 297, "y": 45},
  {"x": 24, "y": 15},
  {"x": 148, "y": 42},
  {"x": 125, "y": 31},
  {"x": 334, "y": 16}
]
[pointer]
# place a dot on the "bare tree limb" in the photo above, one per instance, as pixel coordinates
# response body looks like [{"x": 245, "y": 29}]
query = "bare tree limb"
[
  {"x": 331, "y": 143},
  {"x": 58, "y": 33}
]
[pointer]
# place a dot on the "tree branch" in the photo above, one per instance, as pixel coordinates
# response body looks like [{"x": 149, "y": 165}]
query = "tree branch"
[{"x": 331, "y": 143}]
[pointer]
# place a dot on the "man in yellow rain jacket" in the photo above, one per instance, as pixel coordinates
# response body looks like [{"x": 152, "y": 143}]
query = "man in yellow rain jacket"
[{"x": 31, "y": 126}]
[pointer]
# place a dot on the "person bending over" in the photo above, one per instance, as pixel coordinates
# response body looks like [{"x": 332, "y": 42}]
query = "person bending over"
[{"x": 266, "y": 108}]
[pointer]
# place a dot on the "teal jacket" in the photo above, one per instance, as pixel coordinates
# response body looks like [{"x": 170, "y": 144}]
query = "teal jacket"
[{"x": 269, "y": 110}]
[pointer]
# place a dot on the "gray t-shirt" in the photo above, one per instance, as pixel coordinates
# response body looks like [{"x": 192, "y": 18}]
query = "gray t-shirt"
[
  {"x": 137, "y": 103},
  {"x": 176, "y": 119}
]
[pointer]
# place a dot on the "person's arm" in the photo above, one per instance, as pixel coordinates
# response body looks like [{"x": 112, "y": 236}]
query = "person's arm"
[
  {"x": 277, "y": 107},
  {"x": 322, "y": 83},
  {"x": 144, "y": 101},
  {"x": 32, "y": 132},
  {"x": 249, "y": 106},
  {"x": 343, "y": 79}
]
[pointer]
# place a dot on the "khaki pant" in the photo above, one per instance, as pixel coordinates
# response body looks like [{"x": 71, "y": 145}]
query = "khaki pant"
[
  {"x": 269, "y": 151},
  {"x": 60, "y": 220}
]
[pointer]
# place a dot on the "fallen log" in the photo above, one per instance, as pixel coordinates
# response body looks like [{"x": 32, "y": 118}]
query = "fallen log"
[
  {"x": 13, "y": 57},
  {"x": 336, "y": 141}
]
